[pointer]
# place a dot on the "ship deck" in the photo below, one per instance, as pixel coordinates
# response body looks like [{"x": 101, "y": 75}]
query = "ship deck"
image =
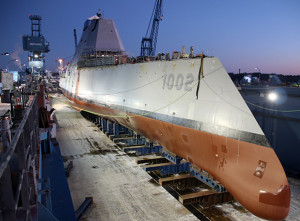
[{"x": 122, "y": 190}]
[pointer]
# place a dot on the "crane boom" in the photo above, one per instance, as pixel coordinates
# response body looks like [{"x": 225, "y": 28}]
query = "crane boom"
[{"x": 148, "y": 45}]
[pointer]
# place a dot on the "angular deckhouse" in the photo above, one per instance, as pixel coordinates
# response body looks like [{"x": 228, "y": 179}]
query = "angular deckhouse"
[{"x": 190, "y": 106}]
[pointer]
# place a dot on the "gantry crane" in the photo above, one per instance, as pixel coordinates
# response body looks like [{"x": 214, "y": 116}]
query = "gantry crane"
[
  {"x": 37, "y": 45},
  {"x": 148, "y": 46}
]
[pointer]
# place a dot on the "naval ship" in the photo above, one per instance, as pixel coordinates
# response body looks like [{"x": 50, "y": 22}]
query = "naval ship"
[{"x": 190, "y": 106}]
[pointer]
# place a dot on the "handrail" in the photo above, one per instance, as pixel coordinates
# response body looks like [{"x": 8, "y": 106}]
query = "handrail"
[{"x": 15, "y": 140}]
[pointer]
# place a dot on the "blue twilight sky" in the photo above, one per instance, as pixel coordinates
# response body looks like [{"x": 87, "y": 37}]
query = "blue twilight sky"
[{"x": 243, "y": 33}]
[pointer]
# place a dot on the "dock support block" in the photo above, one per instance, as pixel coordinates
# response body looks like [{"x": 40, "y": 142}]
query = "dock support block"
[
  {"x": 169, "y": 168},
  {"x": 204, "y": 177}
]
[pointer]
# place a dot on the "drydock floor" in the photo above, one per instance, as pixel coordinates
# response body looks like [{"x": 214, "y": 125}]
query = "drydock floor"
[{"x": 120, "y": 188}]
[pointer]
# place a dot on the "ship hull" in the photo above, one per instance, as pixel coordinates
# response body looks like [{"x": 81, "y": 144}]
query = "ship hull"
[
  {"x": 232, "y": 162},
  {"x": 189, "y": 106}
]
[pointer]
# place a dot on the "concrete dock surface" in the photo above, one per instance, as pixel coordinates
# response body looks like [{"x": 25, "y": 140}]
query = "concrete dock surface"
[{"x": 120, "y": 188}]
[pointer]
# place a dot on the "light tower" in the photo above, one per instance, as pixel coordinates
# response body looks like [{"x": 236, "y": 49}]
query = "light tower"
[{"x": 37, "y": 45}]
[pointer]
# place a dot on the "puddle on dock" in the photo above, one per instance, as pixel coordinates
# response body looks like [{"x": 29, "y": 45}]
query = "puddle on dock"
[
  {"x": 239, "y": 208},
  {"x": 67, "y": 158},
  {"x": 214, "y": 214},
  {"x": 153, "y": 182},
  {"x": 96, "y": 152},
  {"x": 103, "y": 151}
]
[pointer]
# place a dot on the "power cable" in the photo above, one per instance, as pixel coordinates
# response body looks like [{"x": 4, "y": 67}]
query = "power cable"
[{"x": 269, "y": 109}]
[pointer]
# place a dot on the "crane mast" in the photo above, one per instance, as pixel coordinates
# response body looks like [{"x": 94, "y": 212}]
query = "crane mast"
[{"x": 148, "y": 45}]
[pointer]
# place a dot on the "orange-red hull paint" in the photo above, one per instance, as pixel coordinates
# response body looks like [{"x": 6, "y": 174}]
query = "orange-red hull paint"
[{"x": 232, "y": 162}]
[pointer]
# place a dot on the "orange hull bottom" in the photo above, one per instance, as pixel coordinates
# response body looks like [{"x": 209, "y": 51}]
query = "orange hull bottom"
[{"x": 251, "y": 173}]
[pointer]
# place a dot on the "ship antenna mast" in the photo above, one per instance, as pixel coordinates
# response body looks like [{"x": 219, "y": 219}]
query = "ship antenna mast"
[{"x": 148, "y": 45}]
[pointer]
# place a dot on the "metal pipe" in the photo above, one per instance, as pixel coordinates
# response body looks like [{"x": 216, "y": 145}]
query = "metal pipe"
[
  {"x": 83, "y": 207},
  {"x": 75, "y": 38},
  {"x": 6, "y": 134},
  {"x": 19, "y": 188},
  {"x": 192, "y": 52},
  {"x": 183, "y": 50}
]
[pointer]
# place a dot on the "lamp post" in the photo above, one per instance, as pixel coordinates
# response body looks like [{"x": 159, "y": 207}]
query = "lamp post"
[
  {"x": 9, "y": 62},
  {"x": 21, "y": 66},
  {"x": 257, "y": 68}
]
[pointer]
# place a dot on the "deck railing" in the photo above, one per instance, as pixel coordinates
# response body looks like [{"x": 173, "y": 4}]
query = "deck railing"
[{"x": 18, "y": 178}]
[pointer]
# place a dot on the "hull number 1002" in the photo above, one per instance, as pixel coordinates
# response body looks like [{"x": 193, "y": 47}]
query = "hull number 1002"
[{"x": 178, "y": 81}]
